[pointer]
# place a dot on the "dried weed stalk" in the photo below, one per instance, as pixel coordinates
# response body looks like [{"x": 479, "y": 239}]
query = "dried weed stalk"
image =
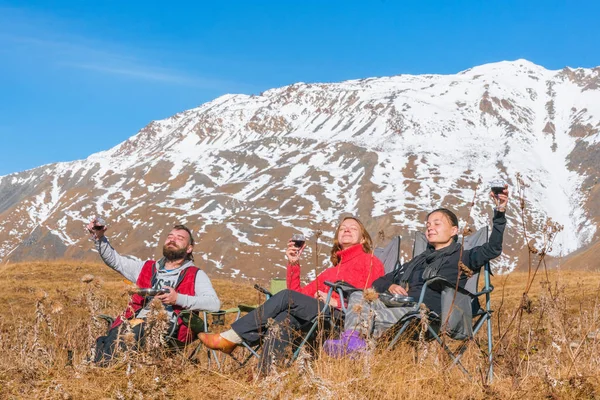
[
  {"x": 422, "y": 348},
  {"x": 157, "y": 325},
  {"x": 536, "y": 257},
  {"x": 97, "y": 326},
  {"x": 519, "y": 345}
]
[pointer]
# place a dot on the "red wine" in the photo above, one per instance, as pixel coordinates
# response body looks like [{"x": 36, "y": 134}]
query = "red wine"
[
  {"x": 299, "y": 243},
  {"x": 497, "y": 190}
]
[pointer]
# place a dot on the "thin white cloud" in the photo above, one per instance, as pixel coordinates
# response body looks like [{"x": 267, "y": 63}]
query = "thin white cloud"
[
  {"x": 133, "y": 72},
  {"x": 144, "y": 73},
  {"x": 65, "y": 49}
]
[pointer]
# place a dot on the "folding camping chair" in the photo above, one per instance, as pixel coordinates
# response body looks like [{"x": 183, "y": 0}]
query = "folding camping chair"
[
  {"x": 343, "y": 290},
  {"x": 193, "y": 321},
  {"x": 459, "y": 308},
  {"x": 276, "y": 285},
  {"x": 389, "y": 256}
]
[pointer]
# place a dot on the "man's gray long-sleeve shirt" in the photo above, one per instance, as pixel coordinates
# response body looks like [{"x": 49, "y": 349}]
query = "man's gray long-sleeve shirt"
[{"x": 205, "y": 297}]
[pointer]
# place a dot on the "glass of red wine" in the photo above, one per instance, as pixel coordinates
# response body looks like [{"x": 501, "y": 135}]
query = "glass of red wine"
[
  {"x": 298, "y": 240},
  {"x": 99, "y": 223},
  {"x": 497, "y": 186}
]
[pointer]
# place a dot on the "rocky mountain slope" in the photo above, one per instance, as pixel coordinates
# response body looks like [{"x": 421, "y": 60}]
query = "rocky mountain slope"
[{"x": 246, "y": 172}]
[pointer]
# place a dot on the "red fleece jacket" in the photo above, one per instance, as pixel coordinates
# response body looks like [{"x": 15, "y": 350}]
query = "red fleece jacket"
[{"x": 355, "y": 267}]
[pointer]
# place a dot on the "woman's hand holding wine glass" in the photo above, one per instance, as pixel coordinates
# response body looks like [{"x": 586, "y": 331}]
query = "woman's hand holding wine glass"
[{"x": 295, "y": 246}]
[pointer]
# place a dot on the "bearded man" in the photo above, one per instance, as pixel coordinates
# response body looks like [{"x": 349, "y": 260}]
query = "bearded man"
[{"x": 186, "y": 287}]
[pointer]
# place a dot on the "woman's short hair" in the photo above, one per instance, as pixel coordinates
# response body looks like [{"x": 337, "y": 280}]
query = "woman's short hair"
[{"x": 367, "y": 242}]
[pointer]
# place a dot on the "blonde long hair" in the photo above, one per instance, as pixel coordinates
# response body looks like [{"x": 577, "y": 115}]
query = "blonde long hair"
[{"x": 367, "y": 243}]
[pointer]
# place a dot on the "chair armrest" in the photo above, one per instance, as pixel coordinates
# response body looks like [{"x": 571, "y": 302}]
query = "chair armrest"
[
  {"x": 484, "y": 291},
  {"x": 343, "y": 289},
  {"x": 192, "y": 319},
  {"x": 438, "y": 280},
  {"x": 342, "y": 286},
  {"x": 263, "y": 290},
  {"x": 247, "y": 307},
  {"x": 223, "y": 312},
  {"x": 107, "y": 318}
]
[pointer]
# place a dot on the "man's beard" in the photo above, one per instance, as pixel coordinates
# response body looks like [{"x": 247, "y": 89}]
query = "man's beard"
[{"x": 173, "y": 253}]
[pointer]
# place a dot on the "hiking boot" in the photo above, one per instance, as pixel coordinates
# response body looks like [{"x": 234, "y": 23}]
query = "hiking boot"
[
  {"x": 215, "y": 341},
  {"x": 349, "y": 343}
]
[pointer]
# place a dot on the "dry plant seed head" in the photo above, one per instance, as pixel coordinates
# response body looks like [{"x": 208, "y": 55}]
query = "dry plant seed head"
[
  {"x": 357, "y": 308},
  {"x": 521, "y": 181},
  {"x": 465, "y": 270},
  {"x": 126, "y": 334},
  {"x": 370, "y": 295},
  {"x": 303, "y": 365},
  {"x": 527, "y": 304},
  {"x": 129, "y": 337},
  {"x": 532, "y": 248},
  {"x": 381, "y": 235},
  {"x": 87, "y": 278},
  {"x": 156, "y": 305},
  {"x": 40, "y": 296},
  {"x": 57, "y": 308},
  {"x": 467, "y": 231}
]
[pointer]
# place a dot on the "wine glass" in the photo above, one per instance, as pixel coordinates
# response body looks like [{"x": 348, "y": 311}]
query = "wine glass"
[
  {"x": 298, "y": 240},
  {"x": 497, "y": 186},
  {"x": 99, "y": 223}
]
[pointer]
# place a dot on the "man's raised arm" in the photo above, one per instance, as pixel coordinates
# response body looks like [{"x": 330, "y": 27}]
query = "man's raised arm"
[{"x": 128, "y": 267}]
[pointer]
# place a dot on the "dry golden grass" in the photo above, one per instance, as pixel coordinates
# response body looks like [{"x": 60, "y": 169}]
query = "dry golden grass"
[{"x": 550, "y": 351}]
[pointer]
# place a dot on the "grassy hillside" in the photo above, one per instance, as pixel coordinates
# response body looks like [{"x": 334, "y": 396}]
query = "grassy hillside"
[{"x": 546, "y": 346}]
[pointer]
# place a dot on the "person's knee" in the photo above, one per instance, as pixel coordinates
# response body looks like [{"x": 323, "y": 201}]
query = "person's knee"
[
  {"x": 284, "y": 293},
  {"x": 355, "y": 298},
  {"x": 282, "y": 296}
]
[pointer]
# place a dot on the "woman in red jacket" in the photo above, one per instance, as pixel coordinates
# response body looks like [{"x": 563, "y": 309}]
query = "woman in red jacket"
[{"x": 353, "y": 262}]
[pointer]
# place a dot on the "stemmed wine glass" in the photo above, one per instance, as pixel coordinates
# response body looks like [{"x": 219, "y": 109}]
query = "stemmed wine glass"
[
  {"x": 497, "y": 186},
  {"x": 298, "y": 240}
]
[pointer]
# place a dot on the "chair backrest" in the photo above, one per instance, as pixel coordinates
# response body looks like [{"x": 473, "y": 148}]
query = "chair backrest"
[
  {"x": 389, "y": 255},
  {"x": 420, "y": 244},
  {"x": 277, "y": 285}
]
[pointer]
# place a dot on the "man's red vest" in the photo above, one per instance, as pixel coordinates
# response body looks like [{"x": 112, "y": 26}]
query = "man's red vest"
[{"x": 186, "y": 284}]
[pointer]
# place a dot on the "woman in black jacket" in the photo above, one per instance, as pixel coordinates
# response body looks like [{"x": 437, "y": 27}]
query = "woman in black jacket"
[{"x": 372, "y": 318}]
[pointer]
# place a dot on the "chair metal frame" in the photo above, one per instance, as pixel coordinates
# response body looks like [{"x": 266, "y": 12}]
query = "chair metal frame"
[
  {"x": 313, "y": 323},
  {"x": 482, "y": 315},
  {"x": 343, "y": 290}
]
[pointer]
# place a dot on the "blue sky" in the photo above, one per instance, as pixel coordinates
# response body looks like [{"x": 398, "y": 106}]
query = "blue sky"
[{"x": 77, "y": 77}]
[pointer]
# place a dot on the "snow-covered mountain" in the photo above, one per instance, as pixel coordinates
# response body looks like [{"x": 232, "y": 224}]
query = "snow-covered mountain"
[{"x": 247, "y": 171}]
